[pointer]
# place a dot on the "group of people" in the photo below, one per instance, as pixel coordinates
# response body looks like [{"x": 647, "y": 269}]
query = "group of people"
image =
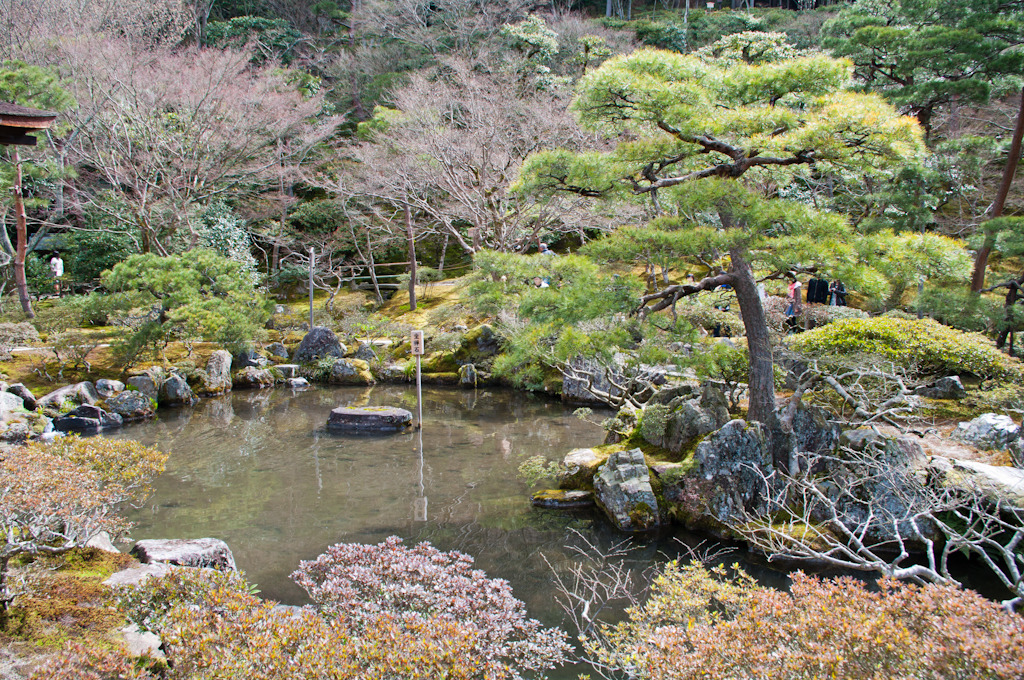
[{"x": 819, "y": 291}]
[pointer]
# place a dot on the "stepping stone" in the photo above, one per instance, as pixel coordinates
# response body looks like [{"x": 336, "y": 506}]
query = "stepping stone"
[
  {"x": 559, "y": 499},
  {"x": 373, "y": 419}
]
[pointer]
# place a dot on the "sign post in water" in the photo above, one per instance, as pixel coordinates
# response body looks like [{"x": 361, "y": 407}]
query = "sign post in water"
[{"x": 416, "y": 340}]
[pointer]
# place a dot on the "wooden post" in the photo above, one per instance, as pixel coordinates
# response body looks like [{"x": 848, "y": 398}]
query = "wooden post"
[
  {"x": 416, "y": 341},
  {"x": 20, "y": 251},
  {"x": 312, "y": 255}
]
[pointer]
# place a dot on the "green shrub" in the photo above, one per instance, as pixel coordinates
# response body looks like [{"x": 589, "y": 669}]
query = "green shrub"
[
  {"x": 923, "y": 347},
  {"x": 709, "y": 318},
  {"x": 89, "y": 253}
]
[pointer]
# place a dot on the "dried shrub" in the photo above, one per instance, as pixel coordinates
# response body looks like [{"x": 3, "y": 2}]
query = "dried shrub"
[
  {"x": 54, "y": 499},
  {"x": 16, "y": 334},
  {"x": 79, "y": 662}
]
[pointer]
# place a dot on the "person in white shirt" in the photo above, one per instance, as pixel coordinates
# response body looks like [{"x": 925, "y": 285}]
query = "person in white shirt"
[{"x": 57, "y": 271}]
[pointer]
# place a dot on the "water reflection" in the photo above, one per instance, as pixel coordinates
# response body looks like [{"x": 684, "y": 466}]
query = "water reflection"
[{"x": 258, "y": 470}]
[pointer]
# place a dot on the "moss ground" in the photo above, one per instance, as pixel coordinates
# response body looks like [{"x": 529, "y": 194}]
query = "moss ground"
[{"x": 68, "y": 602}]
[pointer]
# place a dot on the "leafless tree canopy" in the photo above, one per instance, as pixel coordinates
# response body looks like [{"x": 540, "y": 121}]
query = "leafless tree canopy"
[{"x": 872, "y": 511}]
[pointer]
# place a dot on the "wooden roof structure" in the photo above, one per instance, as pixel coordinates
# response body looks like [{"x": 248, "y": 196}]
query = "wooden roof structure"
[{"x": 18, "y": 122}]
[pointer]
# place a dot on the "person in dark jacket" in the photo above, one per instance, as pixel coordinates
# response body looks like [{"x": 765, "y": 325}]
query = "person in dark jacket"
[{"x": 837, "y": 292}]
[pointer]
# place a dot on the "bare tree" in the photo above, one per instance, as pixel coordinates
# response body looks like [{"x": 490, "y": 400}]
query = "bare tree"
[
  {"x": 453, "y": 147},
  {"x": 875, "y": 510},
  {"x": 443, "y": 25},
  {"x": 170, "y": 130}
]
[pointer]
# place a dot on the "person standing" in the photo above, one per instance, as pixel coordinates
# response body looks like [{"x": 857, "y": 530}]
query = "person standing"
[
  {"x": 838, "y": 293},
  {"x": 544, "y": 250},
  {"x": 795, "y": 295},
  {"x": 57, "y": 272}
]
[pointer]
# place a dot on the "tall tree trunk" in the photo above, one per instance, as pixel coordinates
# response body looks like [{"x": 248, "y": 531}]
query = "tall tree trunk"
[
  {"x": 444, "y": 251},
  {"x": 981, "y": 259},
  {"x": 412, "y": 258},
  {"x": 761, "y": 380},
  {"x": 21, "y": 248},
  {"x": 373, "y": 270}
]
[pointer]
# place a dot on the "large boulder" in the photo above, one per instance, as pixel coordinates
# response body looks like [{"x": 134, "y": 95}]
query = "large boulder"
[
  {"x": 145, "y": 384},
  {"x": 252, "y": 377},
  {"x": 365, "y": 353},
  {"x": 318, "y": 343},
  {"x": 873, "y": 487},
  {"x": 250, "y": 357},
  {"x": 623, "y": 490},
  {"x": 108, "y": 388},
  {"x": 131, "y": 405},
  {"x": 211, "y": 553},
  {"x": 468, "y": 376},
  {"x": 677, "y": 423},
  {"x": 10, "y": 403},
  {"x": 218, "y": 373},
  {"x": 814, "y": 431},
  {"x": 135, "y": 576},
  {"x": 175, "y": 390},
  {"x": 351, "y": 372},
  {"x": 88, "y": 419},
  {"x": 1000, "y": 485},
  {"x": 479, "y": 346},
  {"x": 728, "y": 476},
  {"x": 278, "y": 350},
  {"x": 370, "y": 420},
  {"x": 578, "y": 390},
  {"x": 949, "y": 387},
  {"x": 988, "y": 431},
  {"x": 27, "y": 398},
  {"x": 622, "y": 425},
  {"x": 70, "y": 396}
]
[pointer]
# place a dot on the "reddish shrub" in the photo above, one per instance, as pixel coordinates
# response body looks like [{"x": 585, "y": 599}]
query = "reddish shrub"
[
  {"x": 839, "y": 629},
  {"x": 421, "y": 585}
]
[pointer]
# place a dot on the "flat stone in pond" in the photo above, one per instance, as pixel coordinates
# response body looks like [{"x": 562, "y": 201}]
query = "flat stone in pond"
[
  {"x": 559, "y": 499},
  {"x": 369, "y": 419}
]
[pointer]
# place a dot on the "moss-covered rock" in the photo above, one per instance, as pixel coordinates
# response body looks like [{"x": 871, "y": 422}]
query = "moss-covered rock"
[
  {"x": 444, "y": 378},
  {"x": 351, "y": 372},
  {"x": 561, "y": 499},
  {"x": 440, "y": 362},
  {"x": 578, "y": 468}
]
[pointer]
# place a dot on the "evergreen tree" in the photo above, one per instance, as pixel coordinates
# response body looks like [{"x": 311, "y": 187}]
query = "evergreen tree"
[
  {"x": 924, "y": 54},
  {"x": 711, "y": 142}
]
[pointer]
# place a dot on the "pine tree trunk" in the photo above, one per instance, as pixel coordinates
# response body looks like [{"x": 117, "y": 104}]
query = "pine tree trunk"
[
  {"x": 761, "y": 380},
  {"x": 981, "y": 259}
]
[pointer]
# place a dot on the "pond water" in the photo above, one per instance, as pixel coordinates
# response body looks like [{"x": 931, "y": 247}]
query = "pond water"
[{"x": 257, "y": 470}]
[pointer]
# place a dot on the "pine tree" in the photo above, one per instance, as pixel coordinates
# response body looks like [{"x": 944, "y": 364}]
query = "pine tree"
[{"x": 710, "y": 141}]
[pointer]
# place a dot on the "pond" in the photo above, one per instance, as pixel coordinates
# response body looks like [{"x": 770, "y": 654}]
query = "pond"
[{"x": 257, "y": 470}]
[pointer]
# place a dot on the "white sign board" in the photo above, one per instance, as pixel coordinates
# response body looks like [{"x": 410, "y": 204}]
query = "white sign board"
[{"x": 416, "y": 339}]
